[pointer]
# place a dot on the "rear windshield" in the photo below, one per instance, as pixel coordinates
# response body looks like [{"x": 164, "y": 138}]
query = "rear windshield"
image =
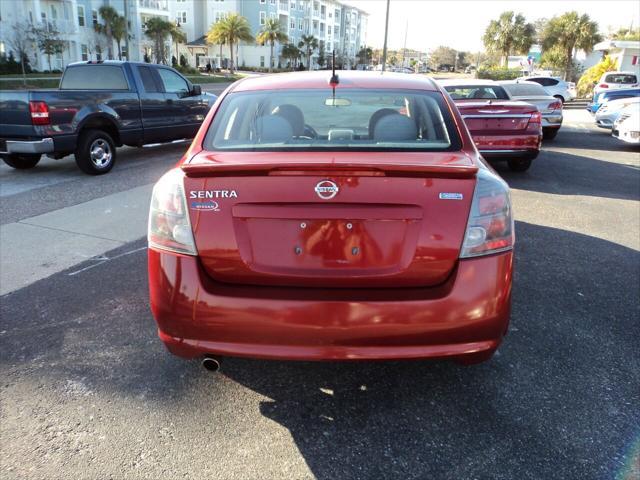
[
  {"x": 524, "y": 89},
  {"x": 620, "y": 78},
  {"x": 477, "y": 92},
  {"x": 353, "y": 119},
  {"x": 94, "y": 77}
]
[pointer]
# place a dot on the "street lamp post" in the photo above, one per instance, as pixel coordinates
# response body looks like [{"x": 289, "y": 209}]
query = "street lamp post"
[{"x": 386, "y": 32}]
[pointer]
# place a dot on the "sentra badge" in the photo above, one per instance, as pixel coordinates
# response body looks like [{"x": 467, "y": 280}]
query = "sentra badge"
[{"x": 200, "y": 194}]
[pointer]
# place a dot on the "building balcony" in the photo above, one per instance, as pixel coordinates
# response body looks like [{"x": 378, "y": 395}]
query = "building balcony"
[{"x": 162, "y": 5}]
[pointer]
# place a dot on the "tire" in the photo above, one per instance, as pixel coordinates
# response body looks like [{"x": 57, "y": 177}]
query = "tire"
[
  {"x": 96, "y": 152},
  {"x": 519, "y": 164},
  {"x": 549, "y": 133},
  {"x": 21, "y": 162}
]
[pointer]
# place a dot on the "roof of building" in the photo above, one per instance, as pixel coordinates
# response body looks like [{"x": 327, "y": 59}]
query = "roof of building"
[
  {"x": 198, "y": 42},
  {"x": 347, "y": 79},
  {"x": 609, "y": 44}
]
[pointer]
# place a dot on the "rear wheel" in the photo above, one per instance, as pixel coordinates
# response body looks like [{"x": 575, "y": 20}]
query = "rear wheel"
[
  {"x": 96, "y": 152},
  {"x": 519, "y": 164},
  {"x": 549, "y": 133},
  {"x": 21, "y": 162}
]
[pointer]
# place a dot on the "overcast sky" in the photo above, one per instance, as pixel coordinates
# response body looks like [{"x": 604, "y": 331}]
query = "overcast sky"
[{"x": 461, "y": 23}]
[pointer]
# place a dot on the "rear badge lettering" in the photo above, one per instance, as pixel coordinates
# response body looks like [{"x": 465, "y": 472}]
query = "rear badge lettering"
[
  {"x": 326, "y": 189},
  {"x": 213, "y": 194},
  {"x": 206, "y": 205},
  {"x": 450, "y": 196}
]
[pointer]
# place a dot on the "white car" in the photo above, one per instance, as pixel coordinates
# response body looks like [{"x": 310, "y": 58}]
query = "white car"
[
  {"x": 627, "y": 126},
  {"x": 550, "y": 107},
  {"x": 615, "y": 80},
  {"x": 554, "y": 86},
  {"x": 609, "y": 112}
]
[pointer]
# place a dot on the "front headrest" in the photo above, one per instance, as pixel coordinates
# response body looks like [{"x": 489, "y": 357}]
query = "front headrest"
[{"x": 273, "y": 129}]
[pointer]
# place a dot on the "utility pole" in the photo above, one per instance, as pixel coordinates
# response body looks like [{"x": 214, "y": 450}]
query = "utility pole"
[
  {"x": 386, "y": 32},
  {"x": 404, "y": 48}
]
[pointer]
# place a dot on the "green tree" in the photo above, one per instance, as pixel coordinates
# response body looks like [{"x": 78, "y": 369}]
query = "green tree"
[
  {"x": 271, "y": 33},
  {"x": 322, "y": 58},
  {"x": 177, "y": 37},
  {"x": 568, "y": 32},
  {"x": 230, "y": 30},
  {"x": 158, "y": 30},
  {"x": 592, "y": 76},
  {"x": 442, "y": 56},
  {"x": 113, "y": 28},
  {"x": 365, "y": 54},
  {"x": 509, "y": 34},
  {"x": 292, "y": 53},
  {"x": 22, "y": 43},
  {"x": 48, "y": 39},
  {"x": 308, "y": 44},
  {"x": 626, "y": 34}
]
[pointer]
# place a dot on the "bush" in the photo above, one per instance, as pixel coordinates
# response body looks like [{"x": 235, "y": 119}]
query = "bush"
[
  {"x": 186, "y": 70},
  {"x": 592, "y": 76},
  {"x": 497, "y": 73}
]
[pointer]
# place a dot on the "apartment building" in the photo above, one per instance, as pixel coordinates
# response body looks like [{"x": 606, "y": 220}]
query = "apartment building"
[{"x": 340, "y": 27}]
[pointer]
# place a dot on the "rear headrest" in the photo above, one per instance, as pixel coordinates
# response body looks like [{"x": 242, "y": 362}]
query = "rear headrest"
[
  {"x": 273, "y": 129},
  {"x": 377, "y": 115},
  {"x": 395, "y": 127},
  {"x": 293, "y": 115}
]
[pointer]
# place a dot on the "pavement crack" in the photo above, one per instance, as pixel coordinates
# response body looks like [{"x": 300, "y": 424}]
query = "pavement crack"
[{"x": 22, "y": 222}]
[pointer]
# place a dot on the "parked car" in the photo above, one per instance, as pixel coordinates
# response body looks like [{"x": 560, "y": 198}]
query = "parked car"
[
  {"x": 616, "y": 80},
  {"x": 534, "y": 94},
  {"x": 502, "y": 129},
  {"x": 554, "y": 86},
  {"x": 605, "y": 97},
  {"x": 332, "y": 221},
  {"x": 98, "y": 107},
  {"x": 608, "y": 113},
  {"x": 627, "y": 125}
]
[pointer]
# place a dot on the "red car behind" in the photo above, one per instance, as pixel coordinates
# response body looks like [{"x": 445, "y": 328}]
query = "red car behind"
[
  {"x": 502, "y": 129},
  {"x": 318, "y": 220}
]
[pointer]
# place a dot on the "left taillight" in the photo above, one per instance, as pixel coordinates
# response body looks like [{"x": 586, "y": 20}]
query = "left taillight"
[
  {"x": 490, "y": 226},
  {"x": 169, "y": 224},
  {"x": 39, "y": 113}
]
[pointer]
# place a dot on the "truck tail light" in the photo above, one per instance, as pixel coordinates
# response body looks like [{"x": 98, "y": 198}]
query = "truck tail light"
[
  {"x": 39, "y": 113},
  {"x": 490, "y": 227},
  {"x": 603, "y": 85},
  {"x": 556, "y": 105},
  {"x": 169, "y": 224}
]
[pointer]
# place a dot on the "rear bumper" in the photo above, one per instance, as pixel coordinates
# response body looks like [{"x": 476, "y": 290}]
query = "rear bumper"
[
  {"x": 552, "y": 121},
  {"x": 468, "y": 314},
  {"x": 628, "y": 136},
  {"x": 508, "y": 146},
  {"x": 44, "y": 145}
]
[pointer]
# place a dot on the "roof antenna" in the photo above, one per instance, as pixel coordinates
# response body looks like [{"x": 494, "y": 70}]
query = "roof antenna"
[{"x": 334, "y": 78}]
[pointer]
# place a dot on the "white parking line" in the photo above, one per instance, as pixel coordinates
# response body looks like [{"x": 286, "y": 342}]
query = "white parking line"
[{"x": 103, "y": 259}]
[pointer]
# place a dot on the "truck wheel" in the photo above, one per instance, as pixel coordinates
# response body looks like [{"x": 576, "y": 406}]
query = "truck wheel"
[
  {"x": 95, "y": 153},
  {"x": 21, "y": 162},
  {"x": 519, "y": 164},
  {"x": 549, "y": 133}
]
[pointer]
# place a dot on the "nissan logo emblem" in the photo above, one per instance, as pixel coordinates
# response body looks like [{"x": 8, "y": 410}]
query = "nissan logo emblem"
[{"x": 326, "y": 189}]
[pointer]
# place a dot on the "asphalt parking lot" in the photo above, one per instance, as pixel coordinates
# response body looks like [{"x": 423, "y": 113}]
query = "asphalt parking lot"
[{"x": 88, "y": 391}]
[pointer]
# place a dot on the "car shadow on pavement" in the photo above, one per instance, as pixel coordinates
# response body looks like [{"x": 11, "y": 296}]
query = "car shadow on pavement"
[
  {"x": 567, "y": 174},
  {"x": 598, "y": 139},
  {"x": 559, "y": 400}
]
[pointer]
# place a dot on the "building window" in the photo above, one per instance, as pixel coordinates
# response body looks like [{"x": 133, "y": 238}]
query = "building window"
[
  {"x": 94, "y": 17},
  {"x": 84, "y": 52},
  {"x": 292, "y": 24},
  {"x": 272, "y": 2},
  {"x": 300, "y": 6},
  {"x": 54, "y": 13},
  {"x": 263, "y": 1},
  {"x": 81, "y": 15},
  {"x": 262, "y": 61},
  {"x": 329, "y": 29},
  {"x": 98, "y": 52},
  {"x": 181, "y": 17},
  {"x": 293, "y": 5},
  {"x": 263, "y": 18},
  {"x": 300, "y": 24}
]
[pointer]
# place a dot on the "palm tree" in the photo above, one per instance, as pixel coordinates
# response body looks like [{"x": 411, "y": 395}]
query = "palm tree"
[
  {"x": 271, "y": 33},
  {"x": 292, "y": 53},
  {"x": 177, "y": 37},
  {"x": 230, "y": 30},
  {"x": 309, "y": 43},
  {"x": 568, "y": 32},
  {"x": 115, "y": 27},
  {"x": 509, "y": 34},
  {"x": 158, "y": 30},
  {"x": 215, "y": 36}
]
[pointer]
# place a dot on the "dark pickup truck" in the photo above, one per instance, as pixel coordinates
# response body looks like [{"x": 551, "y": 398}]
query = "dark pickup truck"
[{"x": 99, "y": 106}]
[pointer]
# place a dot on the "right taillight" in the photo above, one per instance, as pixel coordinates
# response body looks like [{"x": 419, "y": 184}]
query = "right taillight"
[
  {"x": 490, "y": 226},
  {"x": 555, "y": 105},
  {"x": 603, "y": 85},
  {"x": 39, "y": 113}
]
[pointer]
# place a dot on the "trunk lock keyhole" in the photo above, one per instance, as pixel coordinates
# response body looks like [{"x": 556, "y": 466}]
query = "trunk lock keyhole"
[
  {"x": 355, "y": 250},
  {"x": 298, "y": 250}
]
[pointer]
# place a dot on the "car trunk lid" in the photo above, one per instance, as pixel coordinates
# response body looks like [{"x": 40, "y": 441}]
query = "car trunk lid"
[
  {"x": 496, "y": 117},
  {"x": 325, "y": 219}
]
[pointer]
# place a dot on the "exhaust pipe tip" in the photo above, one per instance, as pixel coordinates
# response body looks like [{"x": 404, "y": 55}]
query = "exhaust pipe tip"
[{"x": 211, "y": 364}]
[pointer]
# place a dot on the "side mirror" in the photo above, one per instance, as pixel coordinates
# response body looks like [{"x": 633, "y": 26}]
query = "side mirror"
[{"x": 196, "y": 90}]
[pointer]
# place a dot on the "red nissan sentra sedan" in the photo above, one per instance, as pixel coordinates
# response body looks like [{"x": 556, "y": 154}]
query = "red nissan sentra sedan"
[
  {"x": 312, "y": 220},
  {"x": 502, "y": 129}
]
